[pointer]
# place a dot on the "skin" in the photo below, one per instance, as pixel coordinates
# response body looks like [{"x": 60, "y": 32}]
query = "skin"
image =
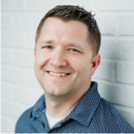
[{"x": 63, "y": 47}]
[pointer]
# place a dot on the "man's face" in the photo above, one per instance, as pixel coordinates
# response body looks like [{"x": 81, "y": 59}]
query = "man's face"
[{"x": 63, "y": 58}]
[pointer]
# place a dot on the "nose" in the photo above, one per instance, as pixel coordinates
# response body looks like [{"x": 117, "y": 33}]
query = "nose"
[{"x": 58, "y": 58}]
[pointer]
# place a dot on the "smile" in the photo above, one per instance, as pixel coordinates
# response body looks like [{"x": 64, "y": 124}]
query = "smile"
[{"x": 58, "y": 74}]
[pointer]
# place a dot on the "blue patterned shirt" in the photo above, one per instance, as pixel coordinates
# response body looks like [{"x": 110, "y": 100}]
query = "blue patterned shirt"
[{"x": 92, "y": 114}]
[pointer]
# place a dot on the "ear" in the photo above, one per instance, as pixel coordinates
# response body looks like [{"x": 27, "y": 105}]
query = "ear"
[
  {"x": 34, "y": 51},
  {"x": 95, "y": 63}
]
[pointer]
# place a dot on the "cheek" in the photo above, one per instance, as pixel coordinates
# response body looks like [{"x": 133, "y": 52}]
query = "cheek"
[
  {"x": 83, "y": 66},
  {"x": 40, "y": 60},
  {"x": 75, "y": 62},
  {"x": 78, "y": 64}
]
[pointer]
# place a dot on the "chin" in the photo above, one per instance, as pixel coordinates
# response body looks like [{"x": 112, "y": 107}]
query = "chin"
[
  {"x": 57, "y": 92},
  {"x": 53, "y": 91}
]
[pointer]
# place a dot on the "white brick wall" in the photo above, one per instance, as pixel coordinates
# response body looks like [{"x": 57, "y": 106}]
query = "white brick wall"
[{"x": 115, "y": 75}]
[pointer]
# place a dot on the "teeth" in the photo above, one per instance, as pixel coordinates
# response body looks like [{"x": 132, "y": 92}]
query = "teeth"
[{"x": 57, "y": 74}]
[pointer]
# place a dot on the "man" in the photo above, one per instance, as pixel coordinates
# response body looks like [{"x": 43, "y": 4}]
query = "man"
[{"x": 66, "y": 56}]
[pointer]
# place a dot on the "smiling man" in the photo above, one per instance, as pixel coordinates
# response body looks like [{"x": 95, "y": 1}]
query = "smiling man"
[{"x": 66, "y": 56}]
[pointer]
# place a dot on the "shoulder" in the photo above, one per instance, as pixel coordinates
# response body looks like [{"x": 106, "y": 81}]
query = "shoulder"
[
  {"x": 28, "y": 122},
  {"x": 112, "y": 118},
  {"x": 24, "y": 121}
]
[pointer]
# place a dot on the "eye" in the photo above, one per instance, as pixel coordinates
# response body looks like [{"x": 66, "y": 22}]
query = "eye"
[
  {"x": 74, "y": 50},
  {"x": 47, "y": 47}
]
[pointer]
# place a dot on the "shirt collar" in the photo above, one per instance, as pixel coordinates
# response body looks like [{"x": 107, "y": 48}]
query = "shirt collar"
[
  {"x": 82, "y": 112},
  {"x": 85, "y": 108},
  {"x": 39, "y": 107}
]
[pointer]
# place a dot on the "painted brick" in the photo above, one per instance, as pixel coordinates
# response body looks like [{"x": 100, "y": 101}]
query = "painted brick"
[
  {"x": 1, "y": 132},
  {"x": 40, "y": 5},
  {"x": 30, "y": 94},
  {"x": 110, "y": 50},
  {"x": 17, "y": 93},
  {"x": 120, "y": 49},
  {"x": 11, "y": 74},
  {"x": 26, "y": 21},
  {"x": 6, "y": 55},
  {"x": 30, "y": 79},
  {"x": 6, "y": 21},
  {"x": 6, "y": 90},
  {"x": 105, "y": 71},
  {"x": 125, "y": 73},
  {"x": 5, "y": 121},
  {"x": 12, "y": 39},
  {"x": 87, "y": 4},
  {"x": 126, "y": 25},
  {"x": 15, "y": 109},
  {"x": 23, "y": 58},
  {"x": 107, "y": 24},
  {"x": 30, "y": 40},
  {"x": 13, "y": 5},
  {"x": 0, "y": 72},
  {"x": 117, "y": 94},
  {"x": 14, "y": 121},
  {"x": 119, "y": 5},
  {"x": 18, "y": 21}
]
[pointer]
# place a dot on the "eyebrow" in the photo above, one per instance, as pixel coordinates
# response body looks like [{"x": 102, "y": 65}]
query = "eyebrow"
[
  {"x": 46, "y": 41},
  {"x": 67, "y": 44},
  {"x": 75, "y": 45}
]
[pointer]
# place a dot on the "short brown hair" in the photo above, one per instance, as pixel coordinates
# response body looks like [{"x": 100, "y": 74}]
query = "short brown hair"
[{"x": 69, "y": 12}]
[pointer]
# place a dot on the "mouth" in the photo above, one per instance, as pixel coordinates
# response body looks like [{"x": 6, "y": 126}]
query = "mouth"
[{"x": 58, "y": 74}]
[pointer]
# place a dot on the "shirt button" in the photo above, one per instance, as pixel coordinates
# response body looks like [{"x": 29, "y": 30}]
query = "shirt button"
[{"x": 43, "y": 125}]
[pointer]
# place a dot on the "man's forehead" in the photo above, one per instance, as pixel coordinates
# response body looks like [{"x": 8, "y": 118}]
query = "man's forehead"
[
  {"x": 53, "y": 20},
  {"x": 73, "y": 28}
]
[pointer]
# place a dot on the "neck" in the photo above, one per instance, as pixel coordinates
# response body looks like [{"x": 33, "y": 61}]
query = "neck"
[{"x": 60, "y": 107}]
